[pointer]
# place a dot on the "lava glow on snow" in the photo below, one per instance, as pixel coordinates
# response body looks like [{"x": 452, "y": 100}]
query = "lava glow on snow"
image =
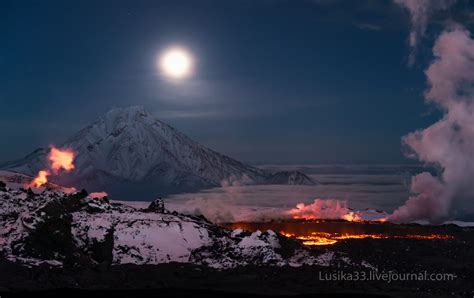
[{"x": 329, "y": 232}]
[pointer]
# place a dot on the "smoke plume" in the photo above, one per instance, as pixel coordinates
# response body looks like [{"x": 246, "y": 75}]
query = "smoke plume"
[
  {"x": 420, "y": 11},
  {"x": 449, "y": 143},
  {"x": 222, "y": 207}
]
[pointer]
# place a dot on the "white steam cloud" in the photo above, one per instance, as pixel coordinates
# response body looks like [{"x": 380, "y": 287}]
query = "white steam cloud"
[
  {"x": 223, "y": 207},
  {"x": 420, "y": 11},
  {"x": 449, "y": 143}
]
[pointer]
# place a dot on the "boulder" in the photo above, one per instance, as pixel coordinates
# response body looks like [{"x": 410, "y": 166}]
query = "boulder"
[{"x": 157, "y": 206}]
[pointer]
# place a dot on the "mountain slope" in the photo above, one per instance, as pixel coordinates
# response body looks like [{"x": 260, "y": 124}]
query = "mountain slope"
[{"x": 130, "y": 152}]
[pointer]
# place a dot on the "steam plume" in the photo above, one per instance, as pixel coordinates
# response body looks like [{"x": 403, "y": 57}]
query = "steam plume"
[
  {"x": 449, "y": 143},
  {"x": 420, "y": 11}
]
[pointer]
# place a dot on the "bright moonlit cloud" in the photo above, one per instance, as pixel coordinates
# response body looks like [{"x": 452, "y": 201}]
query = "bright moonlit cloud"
[{"x": 176, "y": 63}]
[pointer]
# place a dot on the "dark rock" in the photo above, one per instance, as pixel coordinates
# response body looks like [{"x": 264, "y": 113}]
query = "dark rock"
[
  {"x": 102, "y": 252},
  {"x": 157, "y": 206},
  {"x": 290, "y": 178},
  {"x": 288, "y": 246},
  {"x": 30, "y": 193},
  {"x": 2, "y": 185},
  {"x": 50, "y": 234}
]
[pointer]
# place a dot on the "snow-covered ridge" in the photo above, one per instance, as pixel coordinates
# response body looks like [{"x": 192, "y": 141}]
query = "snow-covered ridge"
[
  {"x": 77, "y": 230},
  {"x": 129, "y": 149}
]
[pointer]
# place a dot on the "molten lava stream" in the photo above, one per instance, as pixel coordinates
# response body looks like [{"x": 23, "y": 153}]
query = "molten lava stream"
[
  {"x": 328, "y": 232},
  {"x": 322, "y": 238},
  {"x": 312, "y": 239}
]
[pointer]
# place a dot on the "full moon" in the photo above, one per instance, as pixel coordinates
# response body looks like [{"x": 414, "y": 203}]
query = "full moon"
[{"x": 176, "y": 63}]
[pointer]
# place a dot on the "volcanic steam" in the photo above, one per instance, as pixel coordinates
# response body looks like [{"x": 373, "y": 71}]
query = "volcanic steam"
[
  {"x": 420, "y": 11},
  {"x": 324, "y": 209},
  {"x": 449, "y": 143}
]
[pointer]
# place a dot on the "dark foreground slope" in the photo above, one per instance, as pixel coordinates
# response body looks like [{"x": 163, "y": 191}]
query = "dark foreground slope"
[
  {"x": 59, "y": 243},
  {"x": 173, "y": 279}
]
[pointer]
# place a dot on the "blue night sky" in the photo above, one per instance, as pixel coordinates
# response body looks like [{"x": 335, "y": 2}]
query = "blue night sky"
[{"x": 275, "y": 81}]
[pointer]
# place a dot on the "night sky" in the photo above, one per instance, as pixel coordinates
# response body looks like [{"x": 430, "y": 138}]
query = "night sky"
[{"x": 274, "y": 81}]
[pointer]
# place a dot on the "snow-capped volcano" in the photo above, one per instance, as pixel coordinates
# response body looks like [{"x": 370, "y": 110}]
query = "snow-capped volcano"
[{"x": 129, "y": 151}]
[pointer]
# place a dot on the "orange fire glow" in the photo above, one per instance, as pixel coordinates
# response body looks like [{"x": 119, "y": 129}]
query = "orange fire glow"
[
  {"x": 351, "y": 216},
  {"x": 61, "y": 159},
  {"x": 323, "y": 238},
  {"x": 40, "y": 179},
  {"x": 324, "y": 209}
]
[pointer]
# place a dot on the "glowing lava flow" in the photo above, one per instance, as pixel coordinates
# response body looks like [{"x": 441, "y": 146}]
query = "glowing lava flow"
[
  {"x": 323, "y": 238},
  {"x": 59, "y": 159}
]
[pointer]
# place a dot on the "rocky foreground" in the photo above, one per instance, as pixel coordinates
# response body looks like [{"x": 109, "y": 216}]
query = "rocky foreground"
[
  {"x": 53, "y": 241},
  {"x": 82, "y": 230}
]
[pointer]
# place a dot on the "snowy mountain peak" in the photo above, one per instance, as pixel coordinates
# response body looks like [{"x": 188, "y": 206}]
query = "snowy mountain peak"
[
  {"x": 129, "y": 144},
  {"x": 129, "y": 150}
]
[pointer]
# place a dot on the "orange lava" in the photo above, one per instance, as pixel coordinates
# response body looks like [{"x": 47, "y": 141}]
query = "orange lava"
[
  {"x": 323, "y": 238},
  {"x": 40, "y": 179},
  {"x": 61, "y": 159}
]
